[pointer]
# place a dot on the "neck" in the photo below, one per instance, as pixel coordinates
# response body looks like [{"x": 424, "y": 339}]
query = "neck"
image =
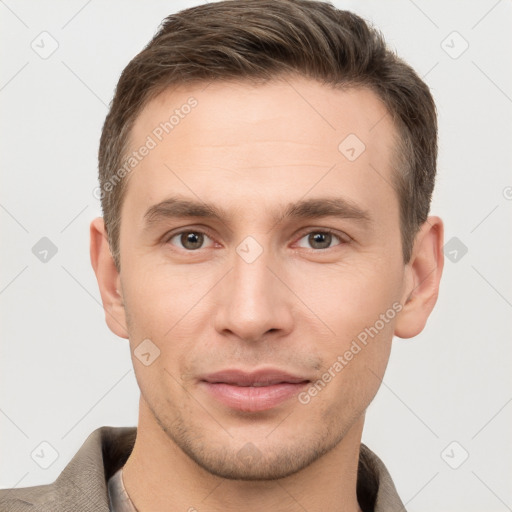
[{"x": 158, "y": 475}]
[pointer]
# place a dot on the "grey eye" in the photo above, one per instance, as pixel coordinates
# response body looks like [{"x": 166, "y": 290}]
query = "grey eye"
[{"x": 319, "y": 239}]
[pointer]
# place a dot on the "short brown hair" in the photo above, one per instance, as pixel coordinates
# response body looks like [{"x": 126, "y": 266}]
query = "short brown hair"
[{"x": 255, "y": 40}]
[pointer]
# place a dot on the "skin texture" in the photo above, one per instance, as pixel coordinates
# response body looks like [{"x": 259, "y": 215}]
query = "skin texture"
[{"x": 252, "y": 149}]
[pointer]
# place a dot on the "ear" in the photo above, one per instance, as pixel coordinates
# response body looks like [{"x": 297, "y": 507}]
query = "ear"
[
  {"x": 421, "y": 280},
  {"x": 108, "y": 279}
]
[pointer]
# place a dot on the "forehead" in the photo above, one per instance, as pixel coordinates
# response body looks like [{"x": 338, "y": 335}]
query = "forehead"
[
  {"x": 305, "y": 109},
  {"x": 229, "y": 140}
]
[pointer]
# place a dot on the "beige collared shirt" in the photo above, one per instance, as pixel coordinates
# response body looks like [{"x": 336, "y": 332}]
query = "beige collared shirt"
[{"x": 119, "y": 499}]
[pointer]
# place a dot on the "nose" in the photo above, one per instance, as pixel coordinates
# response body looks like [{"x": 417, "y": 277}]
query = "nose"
[{"x": 254, "y": 300}]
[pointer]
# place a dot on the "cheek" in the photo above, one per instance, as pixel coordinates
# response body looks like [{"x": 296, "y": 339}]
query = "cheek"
[
  {"x": 359, "y": 305},
  {"x": 350, "y": 297},
  {"x": 158, "y": 296},
  {"x": 353, "y": 368}
]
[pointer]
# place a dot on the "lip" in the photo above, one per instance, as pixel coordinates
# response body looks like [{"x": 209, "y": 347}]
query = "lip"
[{"x": 254, "y": 391}]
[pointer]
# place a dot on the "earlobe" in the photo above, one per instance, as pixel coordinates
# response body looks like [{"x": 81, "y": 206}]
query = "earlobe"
[
  {"x": 423, "y": 275},
  {"x": 108, "y": 279}
]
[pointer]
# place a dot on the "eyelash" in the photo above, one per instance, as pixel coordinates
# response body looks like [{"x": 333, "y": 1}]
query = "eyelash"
[{"x": 167, "y": 238}]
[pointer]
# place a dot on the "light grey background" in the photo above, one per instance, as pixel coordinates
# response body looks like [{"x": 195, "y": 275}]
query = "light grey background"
[{"x": 63, "y": 373}]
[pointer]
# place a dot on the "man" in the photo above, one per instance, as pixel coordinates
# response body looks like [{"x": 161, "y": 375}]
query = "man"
[{"x": 266, "y": 170}]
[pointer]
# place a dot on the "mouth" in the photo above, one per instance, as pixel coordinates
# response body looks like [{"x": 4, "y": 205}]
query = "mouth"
[{"x": 252, "y": 391}]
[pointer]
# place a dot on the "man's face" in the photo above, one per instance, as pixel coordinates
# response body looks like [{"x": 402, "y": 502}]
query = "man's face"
[{"x": 255, "y": 289}]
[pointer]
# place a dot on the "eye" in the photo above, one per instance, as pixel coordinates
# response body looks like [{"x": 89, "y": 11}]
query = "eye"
[
  {"x": 318, "y": 240},
  {"x": 189, "y": 240},
  {"x": 322, "y": 239}
]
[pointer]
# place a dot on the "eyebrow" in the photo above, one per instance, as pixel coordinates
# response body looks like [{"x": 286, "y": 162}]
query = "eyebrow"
[{"x": 175, "y": 208}]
